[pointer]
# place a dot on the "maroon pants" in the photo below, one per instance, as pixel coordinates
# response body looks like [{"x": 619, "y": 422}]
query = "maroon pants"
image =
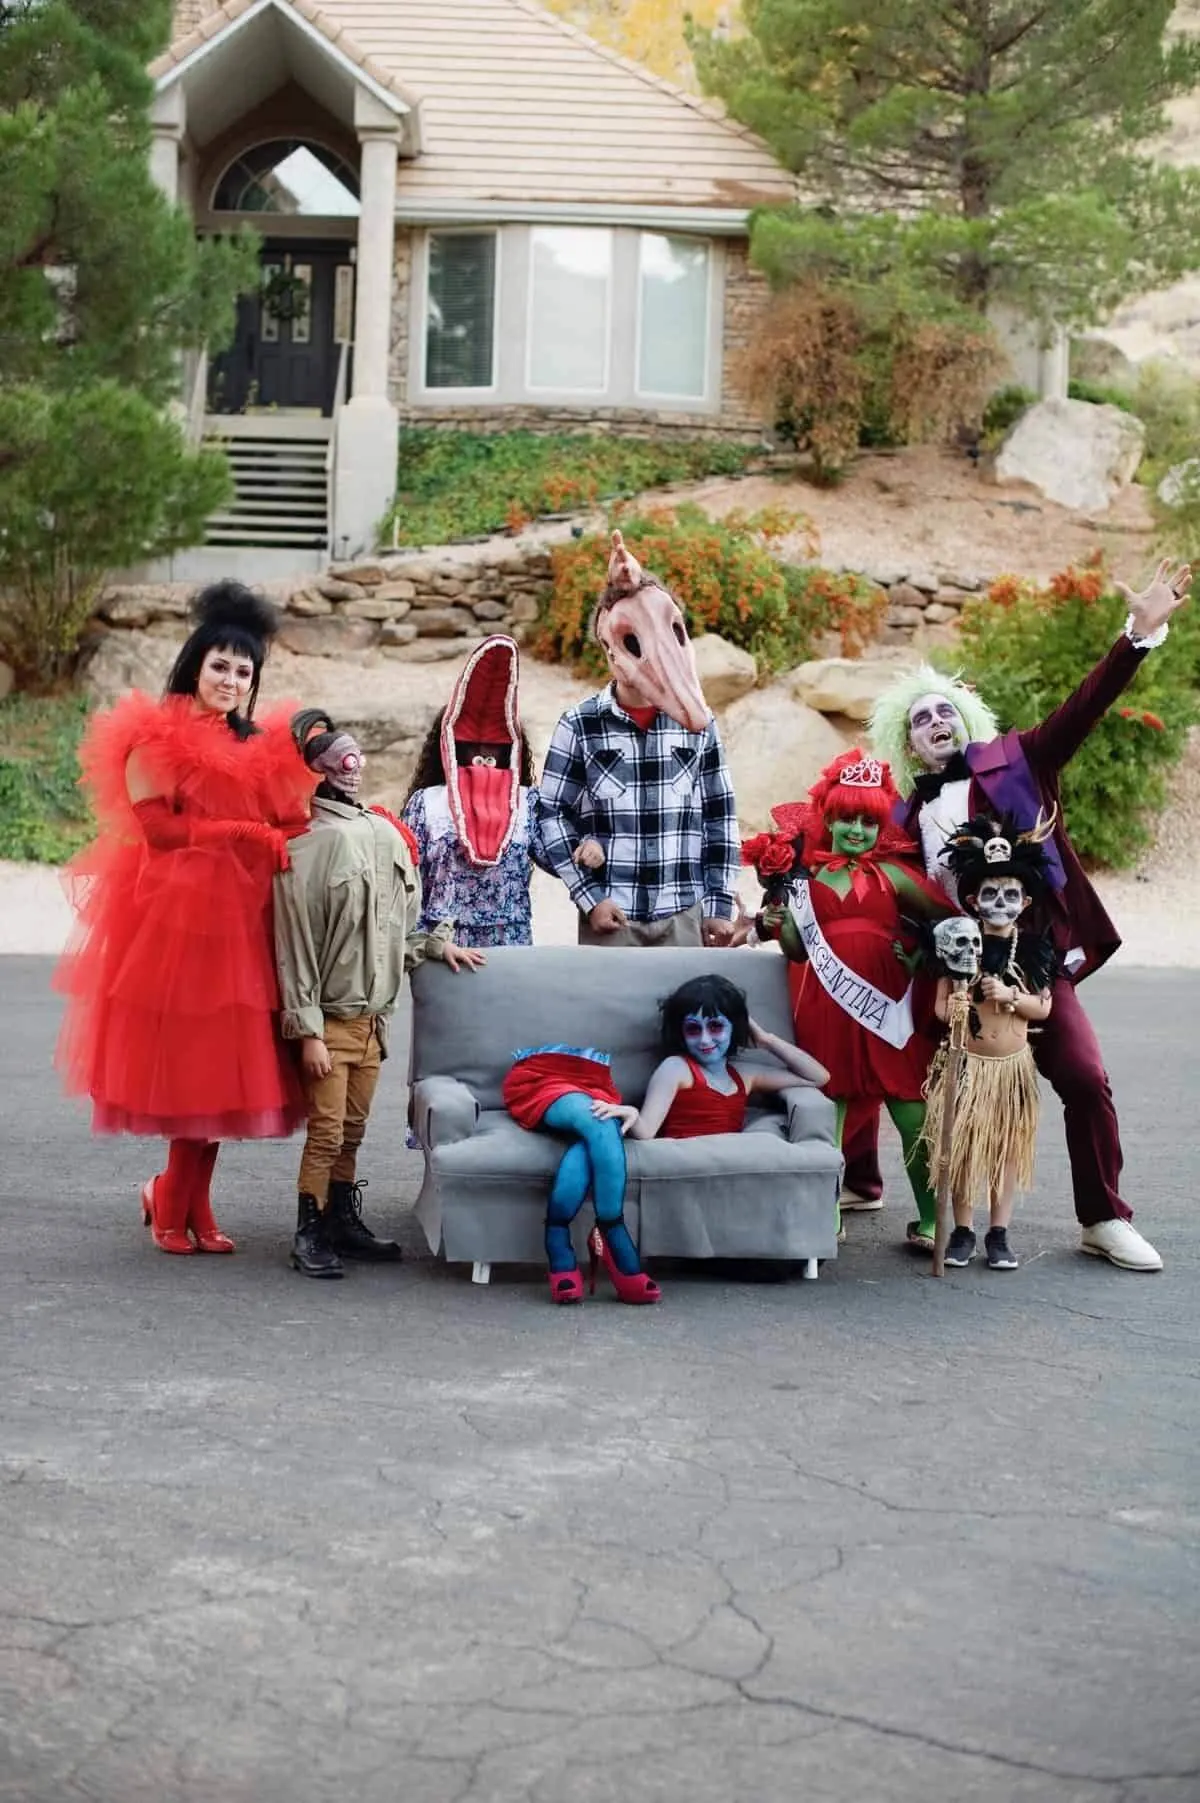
[{"x": 1067, "y": 1053}]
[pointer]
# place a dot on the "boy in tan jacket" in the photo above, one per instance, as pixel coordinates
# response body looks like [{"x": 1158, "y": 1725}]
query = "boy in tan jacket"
[{"x": 344, "y": 911}]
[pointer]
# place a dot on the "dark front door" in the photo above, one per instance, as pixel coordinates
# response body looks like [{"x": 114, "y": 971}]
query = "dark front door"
[{"x": 288, "y": 339}]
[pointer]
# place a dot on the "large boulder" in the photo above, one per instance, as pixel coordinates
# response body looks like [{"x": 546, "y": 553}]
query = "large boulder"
[
  {"x": 129, "y": 660},
  {"x": 843, "y": 685},
  {"x": 1077, "y": 454},
  {"x": 776, "y": 748},
  {"x": 725, "y": 670}
]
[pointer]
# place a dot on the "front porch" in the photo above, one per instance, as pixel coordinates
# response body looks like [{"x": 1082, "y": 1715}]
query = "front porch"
[{"x": 265, "y": 118}]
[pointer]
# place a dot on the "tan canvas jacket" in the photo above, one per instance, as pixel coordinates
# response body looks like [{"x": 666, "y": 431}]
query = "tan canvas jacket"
[{"x": 343, "y": 914}]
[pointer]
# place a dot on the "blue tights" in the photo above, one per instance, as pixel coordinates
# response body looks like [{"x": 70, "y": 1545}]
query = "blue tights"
[{"x": 595, "y": 1161}]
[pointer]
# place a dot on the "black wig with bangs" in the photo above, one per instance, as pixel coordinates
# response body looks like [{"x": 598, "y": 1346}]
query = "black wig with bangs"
[{"x": 229, "y": 617}]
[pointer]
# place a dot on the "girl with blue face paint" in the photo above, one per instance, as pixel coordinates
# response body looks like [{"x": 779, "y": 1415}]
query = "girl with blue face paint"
[{"x": 697, "y": 1089}]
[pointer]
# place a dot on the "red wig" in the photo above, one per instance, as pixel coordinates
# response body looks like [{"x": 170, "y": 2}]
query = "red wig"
[{"x": 852, "y": 787}]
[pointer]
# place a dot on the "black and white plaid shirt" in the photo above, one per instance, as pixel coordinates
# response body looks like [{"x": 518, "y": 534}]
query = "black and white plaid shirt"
[{"x": 660, "y": 803}]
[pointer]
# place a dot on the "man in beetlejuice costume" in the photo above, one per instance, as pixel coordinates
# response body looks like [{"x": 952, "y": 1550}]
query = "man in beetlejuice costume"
[
  {"x": 941, "y": 742},
  {"x": 636, "y": 806}
]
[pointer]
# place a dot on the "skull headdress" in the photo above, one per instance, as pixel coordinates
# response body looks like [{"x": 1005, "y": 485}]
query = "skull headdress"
[{"x": 998, "y": 867}]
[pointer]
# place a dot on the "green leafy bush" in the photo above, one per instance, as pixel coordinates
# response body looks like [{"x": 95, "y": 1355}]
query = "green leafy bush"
[
  {"x": 1027, "y": 647},
  {"x": 728, "y": 578},
  {"x": 1003, "y": 411},
  {"x": 43, "y": 817},
  {"x": 462, "y": 485},
  {"x": 1100, "y": 394}
]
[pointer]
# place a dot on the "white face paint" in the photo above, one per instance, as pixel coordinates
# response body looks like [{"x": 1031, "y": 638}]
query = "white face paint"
[
  {"x": 935, "y": 731},
  {"x": 1001, "y": 901}
]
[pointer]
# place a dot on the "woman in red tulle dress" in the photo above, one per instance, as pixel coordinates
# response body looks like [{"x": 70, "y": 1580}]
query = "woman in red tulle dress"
[
  {"x": 170, "y": 1023},
  {"x": 853, "y": 883}
]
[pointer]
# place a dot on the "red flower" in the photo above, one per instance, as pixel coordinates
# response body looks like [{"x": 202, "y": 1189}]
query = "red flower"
[
  {"x": 1154, "y": 721},
  {"x": 1142, "y": 718},
  {"x": 777, "y": 858},
  {"x": 1127, "y": 713},
  {"x": 752, "y": 849}
]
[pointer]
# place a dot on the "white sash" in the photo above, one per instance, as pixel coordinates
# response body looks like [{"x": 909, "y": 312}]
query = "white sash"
[{"x": 878, "y": 1013}]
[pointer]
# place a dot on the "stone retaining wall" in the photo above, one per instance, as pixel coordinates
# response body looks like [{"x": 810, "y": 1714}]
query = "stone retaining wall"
[{"x": 422, "y": 607}]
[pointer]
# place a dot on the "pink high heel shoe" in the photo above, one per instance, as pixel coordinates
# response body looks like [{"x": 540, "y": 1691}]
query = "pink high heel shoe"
[
  {"x": 168, "y": 1238},
  {"x": 635, "y": 1287}
]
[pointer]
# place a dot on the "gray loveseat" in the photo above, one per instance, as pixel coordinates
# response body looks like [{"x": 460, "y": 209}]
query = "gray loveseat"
[{"x": 769, "y": 1192}]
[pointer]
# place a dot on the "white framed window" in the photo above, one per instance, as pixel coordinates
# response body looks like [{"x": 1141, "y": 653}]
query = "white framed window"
[
  {"x": 461, "y": 285},
  {"x": 674, "y": 307},
  {"x": 570, "y": 298}
]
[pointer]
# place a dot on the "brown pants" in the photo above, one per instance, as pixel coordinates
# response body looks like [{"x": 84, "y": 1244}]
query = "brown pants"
[
  {"x": 672, "y": 929},
  {"x": 338, "y": 1106}
]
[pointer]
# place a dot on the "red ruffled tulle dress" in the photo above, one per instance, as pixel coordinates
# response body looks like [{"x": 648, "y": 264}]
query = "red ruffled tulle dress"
[
  {"x": 171, "y": 1018},
  {"x": 861, "y": 928}
]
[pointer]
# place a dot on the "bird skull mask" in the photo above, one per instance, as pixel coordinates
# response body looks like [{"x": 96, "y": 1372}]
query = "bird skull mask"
[
  {"x": 644, "y": 637},
  {"x": 959, "y": 945}
]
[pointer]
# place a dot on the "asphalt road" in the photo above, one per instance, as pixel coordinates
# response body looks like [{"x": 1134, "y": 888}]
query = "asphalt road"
[{"x": 404, "y": 1540}]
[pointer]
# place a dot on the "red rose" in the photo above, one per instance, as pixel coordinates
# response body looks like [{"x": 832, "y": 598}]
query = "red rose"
[
  {"x": 752, "y": 849},
  {"x": 776, "y": 858}
]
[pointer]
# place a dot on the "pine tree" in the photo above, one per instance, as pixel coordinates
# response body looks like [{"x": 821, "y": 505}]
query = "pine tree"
[
  {"x": 981, "y": 151},
  {"x": 102, "y": 284}
]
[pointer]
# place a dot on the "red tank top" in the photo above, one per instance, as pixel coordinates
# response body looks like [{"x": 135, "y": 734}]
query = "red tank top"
[{"x": 702, "y": 1109}]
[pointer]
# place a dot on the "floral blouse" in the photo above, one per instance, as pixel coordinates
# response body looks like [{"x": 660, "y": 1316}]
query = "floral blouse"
[{"x": 488, "y": 907}]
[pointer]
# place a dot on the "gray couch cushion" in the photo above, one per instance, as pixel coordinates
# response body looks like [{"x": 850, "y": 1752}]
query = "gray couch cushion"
[{"x": 469, "y": 1025}]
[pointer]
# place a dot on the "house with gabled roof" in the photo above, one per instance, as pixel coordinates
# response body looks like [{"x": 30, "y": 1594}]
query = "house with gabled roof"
[{"x": 470, "y": 214}]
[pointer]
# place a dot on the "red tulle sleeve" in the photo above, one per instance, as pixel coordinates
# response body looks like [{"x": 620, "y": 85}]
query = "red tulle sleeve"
[{"x": 284, "y": 781}]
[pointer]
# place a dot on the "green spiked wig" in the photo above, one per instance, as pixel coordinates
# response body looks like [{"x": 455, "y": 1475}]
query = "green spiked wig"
[{"x": 889, "y": 721}]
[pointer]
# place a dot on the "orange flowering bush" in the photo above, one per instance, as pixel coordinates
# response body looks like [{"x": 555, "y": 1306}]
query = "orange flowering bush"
[
  {"x": 726, "y": 575},
  {"x": 1026, "y": 646}
]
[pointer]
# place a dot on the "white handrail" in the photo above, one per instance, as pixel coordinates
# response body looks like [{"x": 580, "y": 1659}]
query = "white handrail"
[
  {"x": 198, "y": 400},
  {"x": 339, "y": 401}
]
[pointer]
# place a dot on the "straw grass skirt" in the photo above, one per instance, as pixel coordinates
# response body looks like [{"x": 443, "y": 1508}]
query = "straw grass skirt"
[{"x": 995, "y": 1122}]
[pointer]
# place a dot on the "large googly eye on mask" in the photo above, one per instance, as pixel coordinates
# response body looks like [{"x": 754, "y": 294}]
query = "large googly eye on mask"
[
  {"x": 351, "y": 763},
  {"x": 483, "y": 763}
]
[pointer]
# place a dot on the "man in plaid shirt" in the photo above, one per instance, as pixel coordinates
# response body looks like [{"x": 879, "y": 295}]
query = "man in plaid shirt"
[{"x": 636, "y": 807}]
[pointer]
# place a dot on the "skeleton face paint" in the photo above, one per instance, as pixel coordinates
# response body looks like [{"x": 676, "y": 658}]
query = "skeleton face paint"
[
  {"x": 708, "y": 1038},
  {"x": 935, "y": 731},
  {"x": 1001, "y": 901},
  {"x": 341, "y": 765},
  {"x": 959, "y": 945}
]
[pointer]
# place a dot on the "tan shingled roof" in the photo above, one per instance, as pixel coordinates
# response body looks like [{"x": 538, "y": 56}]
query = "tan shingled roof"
[
  {"x": 215, "y": 20},
  {"x": 517, "y": 106}
]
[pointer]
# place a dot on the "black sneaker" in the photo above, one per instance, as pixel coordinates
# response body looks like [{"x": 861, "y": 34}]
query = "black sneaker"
[
  {"x": 1000, "y": 1255},
  {"x": 961, "y": 1249}
]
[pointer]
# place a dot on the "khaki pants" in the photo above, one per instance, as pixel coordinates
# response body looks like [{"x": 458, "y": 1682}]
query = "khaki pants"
[
  {"x": 672, "y": 929},
  {"x": 338, "y": 1106}
]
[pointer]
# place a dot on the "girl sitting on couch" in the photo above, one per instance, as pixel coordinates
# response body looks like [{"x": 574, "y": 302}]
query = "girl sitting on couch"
[{"x": 694, "y": 1091}]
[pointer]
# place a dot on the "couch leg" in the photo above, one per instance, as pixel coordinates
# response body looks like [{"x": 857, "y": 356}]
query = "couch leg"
[
  {"x": 812, "y": 1269},
  {"x": 483, "y": 1273}
]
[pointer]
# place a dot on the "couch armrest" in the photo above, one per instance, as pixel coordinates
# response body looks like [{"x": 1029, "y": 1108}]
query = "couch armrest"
[
  {"x": 443, "y": 1111},
  {"x": 810, "y": 1115}
]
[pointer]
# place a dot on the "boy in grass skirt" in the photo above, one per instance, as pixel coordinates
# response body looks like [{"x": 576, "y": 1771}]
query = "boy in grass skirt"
[{"x": 999, "y": 872}]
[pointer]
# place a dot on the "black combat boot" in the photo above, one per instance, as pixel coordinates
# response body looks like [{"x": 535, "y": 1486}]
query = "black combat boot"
[
  {"x": 312, "y": 1252},
  {"x": 345, "y": 1231}
]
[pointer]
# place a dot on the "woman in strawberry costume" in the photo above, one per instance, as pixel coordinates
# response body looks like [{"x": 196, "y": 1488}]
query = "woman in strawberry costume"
[{"x": 843, "y": 887}]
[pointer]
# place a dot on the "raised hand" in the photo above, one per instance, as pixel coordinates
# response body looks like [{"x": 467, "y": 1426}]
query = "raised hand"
[{"x": 1154, "y": 606}]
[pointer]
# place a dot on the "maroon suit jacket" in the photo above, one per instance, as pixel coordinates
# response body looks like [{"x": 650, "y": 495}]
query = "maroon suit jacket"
[{"x": 1018, "y": 774}]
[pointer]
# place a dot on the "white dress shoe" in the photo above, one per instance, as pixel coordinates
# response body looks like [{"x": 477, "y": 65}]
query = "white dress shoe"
[
  {"x": 1120, "y": 1244},
  {"x": 852, "y": 1204}
]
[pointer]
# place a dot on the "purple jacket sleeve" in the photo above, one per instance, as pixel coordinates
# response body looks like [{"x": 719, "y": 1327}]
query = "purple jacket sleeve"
[{"x": 1058, "y": 737}]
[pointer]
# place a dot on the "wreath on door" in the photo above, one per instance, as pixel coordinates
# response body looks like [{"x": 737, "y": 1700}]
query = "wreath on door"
[{"x": 285, "y": 296}]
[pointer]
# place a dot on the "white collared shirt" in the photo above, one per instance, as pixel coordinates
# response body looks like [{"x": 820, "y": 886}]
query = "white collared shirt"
[{"x": 938, "y": 818}]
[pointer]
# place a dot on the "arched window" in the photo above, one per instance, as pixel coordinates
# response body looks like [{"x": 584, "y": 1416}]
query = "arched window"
[{"x": 290, "y": 176}]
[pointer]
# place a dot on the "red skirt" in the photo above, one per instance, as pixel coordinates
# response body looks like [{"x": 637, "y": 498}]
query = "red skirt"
[{"x": 535, "y": 1082}]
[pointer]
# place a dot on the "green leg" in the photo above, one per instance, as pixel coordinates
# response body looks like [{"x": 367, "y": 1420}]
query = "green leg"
[{"x": 909, "y": 1118}]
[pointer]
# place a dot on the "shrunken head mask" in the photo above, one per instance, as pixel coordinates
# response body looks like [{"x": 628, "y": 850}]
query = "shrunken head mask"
[
  {"x": 644, "y": 636},
  {"x": 330, "y": 751}
]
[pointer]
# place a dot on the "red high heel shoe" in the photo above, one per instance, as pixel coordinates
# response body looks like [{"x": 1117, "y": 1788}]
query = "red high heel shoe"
[
  {"x": 204, "y": 1229},
  {"x": 168, "y": 1237},
  {"x": 566, "y": 1286},
  {"x": 630, "y": 1288}
]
